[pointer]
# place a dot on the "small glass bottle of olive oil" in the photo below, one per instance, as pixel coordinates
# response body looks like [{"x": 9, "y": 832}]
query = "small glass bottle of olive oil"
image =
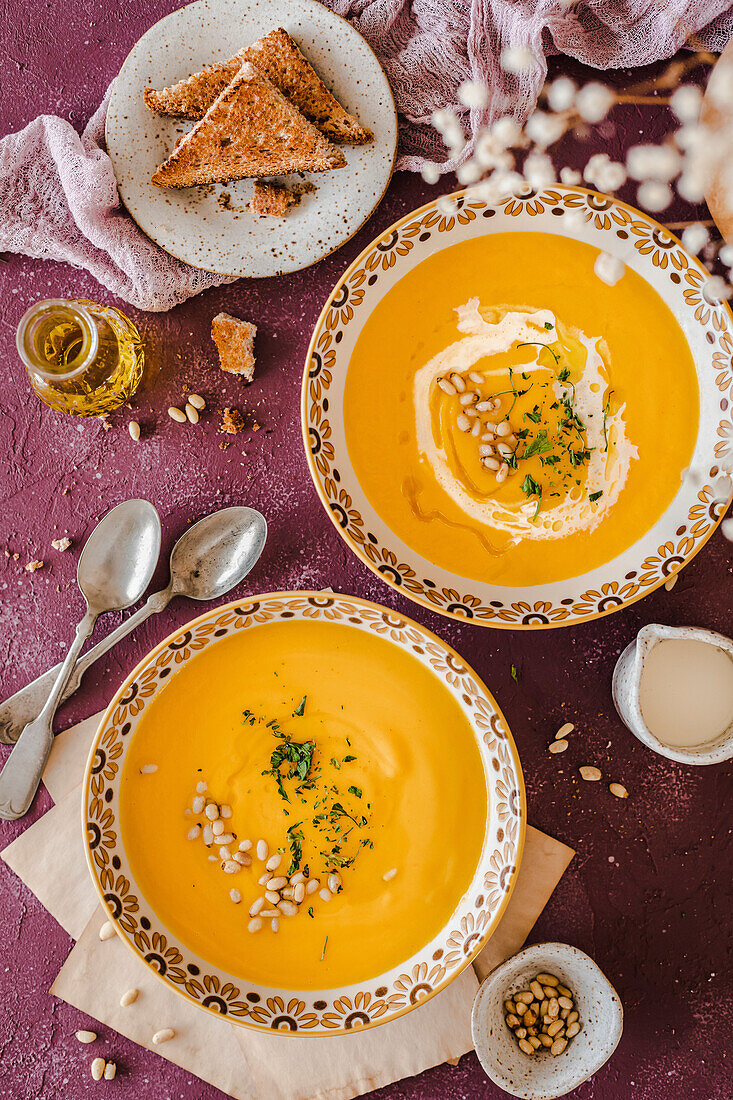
[{"x": 81, "y": 357}]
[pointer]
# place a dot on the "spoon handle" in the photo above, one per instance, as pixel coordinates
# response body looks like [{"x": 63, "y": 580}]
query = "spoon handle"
[
  {"x": 23, "y": 769},
  {"x": 27, "y": 703}
]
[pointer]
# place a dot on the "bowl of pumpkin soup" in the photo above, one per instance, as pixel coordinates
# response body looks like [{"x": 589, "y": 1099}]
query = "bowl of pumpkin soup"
[
  {"x": 304, "y": 812},
  {"x": 518, "y": 414}
]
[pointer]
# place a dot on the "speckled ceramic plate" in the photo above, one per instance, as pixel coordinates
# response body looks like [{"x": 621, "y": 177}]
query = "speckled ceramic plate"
[
  {"x": 313, "y": 1012},
  {"x": 658, "y": 257},
  {"x": 196, "y": 224}
]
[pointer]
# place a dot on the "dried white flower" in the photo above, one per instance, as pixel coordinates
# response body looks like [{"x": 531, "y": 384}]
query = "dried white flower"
[
  {"x": 692, "y": 184},
  {"x": 472, "y": 93},
  {"x": 544, "y": 129},
  {"x": 604, "y": 173},
  {"x": 506, "y": 131},
  {"x": 570, "y": 177},
  {"x": 726, "y": 255},
  {"x": 430, "y": 172},
  {"x": 517, "y": 59},
  {"x": 716, "y": 290},
  {"x": 499, "y": 185},
  {"x": 653, "y": 162},
  {"x": 470, "y": 172},
  {"x": 594, "y": 101},
  {"x": 561, "y": 93},
  {"x": 686, "y": 103},
  {"x": 654, "y": 195},
  {"x": 608, "y": 268},
  {"x": 539, "y": 171},
  {"x": 695, "y": 237},
  {"x": 449, "y": 128},
  {"x": 721, "y": 89},
  {"x": 446, "y": 205},
  {"x": 727, "y": 528}
]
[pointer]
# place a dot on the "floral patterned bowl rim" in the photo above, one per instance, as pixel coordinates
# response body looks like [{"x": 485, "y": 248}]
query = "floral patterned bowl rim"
[
  {"x": 643, "y": 245},
  {"x": 314, "y": 1012}
]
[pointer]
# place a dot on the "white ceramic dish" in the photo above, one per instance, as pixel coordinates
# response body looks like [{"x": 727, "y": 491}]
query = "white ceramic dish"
[
  {"x": 385, "y": 996},
  {"x": 626, "y": 681},
  {"x": 544, "y": 1076},
  {"x": 643, "y": 245},
  {"x": 191, "y": 223}
]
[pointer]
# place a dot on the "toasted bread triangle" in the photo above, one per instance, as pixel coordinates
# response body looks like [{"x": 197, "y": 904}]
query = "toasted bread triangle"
[
  {"x": 278, "y": 58},
  {"x": 250, "y": 130}
]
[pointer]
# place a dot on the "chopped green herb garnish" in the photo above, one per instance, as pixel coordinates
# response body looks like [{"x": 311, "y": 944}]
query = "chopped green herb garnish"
[
  {"x": 325, "y": 944},
  {"x": 356, "y": 791},
  {"x": 514, "y": 674},
  {"x": 595, "y": 496},
  {"x": 300, "y": 709}
]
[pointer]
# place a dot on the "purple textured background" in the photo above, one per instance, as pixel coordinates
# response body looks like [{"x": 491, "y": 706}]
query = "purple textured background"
[{"x": 648, "y": 894}]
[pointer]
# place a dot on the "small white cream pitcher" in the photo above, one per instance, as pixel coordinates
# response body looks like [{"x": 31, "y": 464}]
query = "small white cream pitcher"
[{"x": 626, "y": 692}]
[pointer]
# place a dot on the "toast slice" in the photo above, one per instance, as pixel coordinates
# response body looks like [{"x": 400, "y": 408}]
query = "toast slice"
[
  {"x": 276, "y": 56},
  {"x": 250, "y": 130},
  {"x": 234, "y": 339}
]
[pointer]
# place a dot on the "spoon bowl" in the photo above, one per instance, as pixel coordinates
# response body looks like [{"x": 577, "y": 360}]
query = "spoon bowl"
[
  {"x": 217, "y": 553},
  {"x": 119, "y": 556}
]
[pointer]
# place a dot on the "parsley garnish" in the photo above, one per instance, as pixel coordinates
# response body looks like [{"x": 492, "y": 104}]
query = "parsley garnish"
[
  {"x": 531, "y": 488},
  {"x": 300, "y": 709},
  {"x": 514, "y": 674},
  {"x": 356, "y": 791},
  {"x": 595, "y": 496}
]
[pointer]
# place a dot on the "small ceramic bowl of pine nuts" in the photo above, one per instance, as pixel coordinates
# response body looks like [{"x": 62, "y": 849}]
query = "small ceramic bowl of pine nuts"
[{"x": 545, "y": 1020}]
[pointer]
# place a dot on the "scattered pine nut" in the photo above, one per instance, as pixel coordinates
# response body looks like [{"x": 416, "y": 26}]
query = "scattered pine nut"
[
  {"x": 564, "y": 731},
  {"x": 275, "y": 924},
  {"x": 312, "y": 885},
  {"x": 243, "y": 858},
  {"x": 526, "y": 1047},
  {"x": 86, "y": 1036},
  {"x": 98, "y": 1067},
  {"x": 572, "y": 1029},
  {"x": 235, "y": 896},
  {"x": 134, "y": 429},
  {"x": 226, "y": 811},
  {"x": 254, "y": 925},
  {"x": 245, "y": 845},
  {"x": 231, "y": 867},
  {"x": 618, "y": 789},
  {"x": 164, "y": 1035},
  {"x": 211, "y": 811},
  {"x": 176, "y": 414},
  {"x": 277, "y": 882},
  {"x": 107, "y": 931},
  {"x": 192, "y": 414},
  {"x": 148, "y": 769},
  {"x": 325, "y": 895},
  {"x": 589, "y": 773},
  {"x": 110, "y": 1071},
  {"x": 270, "y": 913},
  {"x": 273, "y": 862},
  {"x": 388, "y": 875},
  {"x": 334, "y": 883},
  {"x": 299, "y": 892},
  {"x": 128, "y": 998},
  {"x": 202, "y": 787},
  {"x": 197, "y": 401},
  {"x": 558, "y": 746},
  {"x": 547, "y": 979},
  {"x": 563, "y": 991},
  {"x": 256, "y": 906},
  {"x": 262, "y": 850},
  {"x": 558, "y": 1046},
  {"x": 669, "y": 585},
  {"x": 288, "y": 908},
  {"x": 198, "y": 804}
]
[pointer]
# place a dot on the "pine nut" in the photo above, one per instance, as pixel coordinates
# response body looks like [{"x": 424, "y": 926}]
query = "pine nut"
[
  {"x": 226, "y": 811},
  {"x": 98, "y": 1068},
  {"x": 521, "y": 1033},
  {"x": 212, "y": 811},
  {"x": 484, "y": 406},
  {"x": 558, "y": 1046},
  {"x": 198, "y": 804},
  {"x": 558, "y": 746},
  {"x": 197, "y": 401},
  {"x": 447, "y": 387},
  {"x": 288, "y": 908},
  {"x": 543, "y": 1008},
  {"x": 192, "y": 414},
  {"x": 458, "y": 382},
  {"x": 194, "y": 832},
  {"x": 299, "y": 892},
  {"x": 245, "y": 845},
  {"x": 212, "y": 858},
  {"x": 526, "y": 1047},
  {"x": 275, "y": 924},
  {"x": 467, "y": 398},
  {"x": 256, "y": 906},
  {"x": 262, "y": 850},
  {"x": 164, "y": 1035},
  {"x": 86, "y": 1036},
  {"x": 110, "y": 1071},
  {"x": 297, "y": 878},
  {"x": 224, "y": 853},
  {"x": 128, "y": 998},
  {"x": 235, "y": 896},
  {"x": 564, "y": 1013},
  {"x": 107, "y": 931},
  {"x": 288, "y": 892},
  {"x": 550, "y": 979},
  {"x": 563, "y": 732},
  {"x": 470, "y": 411},
  {"x": 225, "y": 838},
  {"x": 545, "y": 1040},
  {"x": 530, "y": 1018},
  {"x": 504, "y": 449},
  {"x": 618, "y": 789},
  {"x": 208, "y": 834},
  {"x": 492, "y": 463},
  {"x": 554, "y": 1027},
  {"x": 503, "y": 429},
  {"x": 553, "y": 1009},
  {"x": 334, "y": 883},
  {"x": 264, "y": 879},
  {"x": 572, "y": 1017},
  {"x": 231, "y": 867},
  {"x": 254, "y": 925},
  {"x": 176, "y": 414},
  {"x": 243, "y": 858},
  {"x": 565, "y": 1002},
  {"x": 312, "y": 885},
  {"x": 502, "y": 474},
  {"x": 549, "y": 991},
  {"x": 509, "y": 1006},
  {"x": 589, "y": 773},
  {"x": 277, "y": 882},
  {"x": 573, "y": 1029},
  {"x": 463, "y": 423},
  {"x": 272, "y": 896},
  {"x": 217, "y": 826},
  {"x": 134, "y": 429},
  {"x": 524, "y": 998},
  {"x": 512, "y": 1020},
  {"x": 564, "y": 991},
  {"x": 273, "y": 862},
  {"x": 202, "y": 787},
  {"x": 534, "y": 1041},
  {"x": 486, "y": 450},
  {"x": 476, "y": 378},
  {"x": 270, "y": 913},
  {"x": 325, "y": 895}
]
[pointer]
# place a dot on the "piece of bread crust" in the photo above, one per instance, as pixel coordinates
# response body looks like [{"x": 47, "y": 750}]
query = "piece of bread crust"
[
  {"x": 277, "y": 56},
  {"x": 272, "y": 200},
  {"x": 250, "y": 130},
  {"x": 234, "y": 339}
]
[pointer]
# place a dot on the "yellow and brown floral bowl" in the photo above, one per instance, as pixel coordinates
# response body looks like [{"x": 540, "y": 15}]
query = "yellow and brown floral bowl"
[
  {"x": 386, "y": 996},
  {"x": 643, "y": 245}
]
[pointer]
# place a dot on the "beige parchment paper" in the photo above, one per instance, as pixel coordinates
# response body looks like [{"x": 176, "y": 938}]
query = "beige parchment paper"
[{"x": 49, "y": 858}]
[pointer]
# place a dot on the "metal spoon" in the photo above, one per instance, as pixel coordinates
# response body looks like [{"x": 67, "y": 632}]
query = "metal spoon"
[
  {"x": 114, "y": 570},
  {"x": 212, "y": 557}
]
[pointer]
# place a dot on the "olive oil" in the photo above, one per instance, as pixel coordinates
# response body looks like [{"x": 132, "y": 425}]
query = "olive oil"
[{"x": 81, "y": 357}]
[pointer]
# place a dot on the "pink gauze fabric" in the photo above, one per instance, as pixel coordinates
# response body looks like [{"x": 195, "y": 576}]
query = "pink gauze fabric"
[{"x": 59, "y": 200}]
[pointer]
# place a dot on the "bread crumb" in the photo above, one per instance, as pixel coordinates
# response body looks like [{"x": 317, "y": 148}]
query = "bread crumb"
[
  {"x": 234, "y": 339},
  {"x": 232, "y": 422},
  {"x": 272, "y": 200},
  {"x": 31, "y": 566},
  {"x": 61, "y": 544}
]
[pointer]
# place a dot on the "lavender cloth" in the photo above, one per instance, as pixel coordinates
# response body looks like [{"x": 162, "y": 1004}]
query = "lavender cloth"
[{"x": 59, "y": 200}]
